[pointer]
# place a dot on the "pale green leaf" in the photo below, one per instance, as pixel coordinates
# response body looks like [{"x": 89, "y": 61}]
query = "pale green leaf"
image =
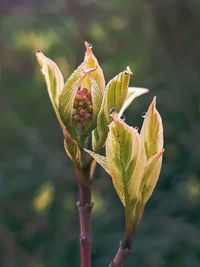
[
  {"x": 152, "y": 131},
  {"x": 137, "y": 174},
  {"x": 122, "y": 148},
  {"x": 71, "y": 147},
  {"x": 150, "y": 177},
  {"x": 152, "y": 138},
  {"x": 114, "y": 97},
  {"x": 54, "y": 81},
  {"x": 97, "y": 97},
  {"x": 133, "y": 92},
  {"x": 91, "y": 61},
  {"x": 66, "y": 99},
  {"x": 99, "y": 159}
]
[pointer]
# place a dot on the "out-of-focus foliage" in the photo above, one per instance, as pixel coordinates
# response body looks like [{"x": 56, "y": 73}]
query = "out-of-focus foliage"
[{"x": 160, "y": 41}]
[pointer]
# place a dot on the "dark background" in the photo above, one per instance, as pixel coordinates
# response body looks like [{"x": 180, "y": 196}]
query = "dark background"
[{"x": 160, "y": 41}]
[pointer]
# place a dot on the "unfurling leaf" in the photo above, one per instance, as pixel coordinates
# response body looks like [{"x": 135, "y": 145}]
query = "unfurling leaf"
[
  {"x": 125, "y": 160},
  {"x": 152, "y": 138},
  {"x": 67, "y": 97},
  {"x": 83, "y": 105},
  {"x": 54, "y": 81},
  {"x": 122, "y": 153},
  {"x": 100, "y": 159},
  {"x": 71, "y": 147},
  {"x": 90, "y": 61},
  {"x": 152, "y": 131},
  {"x": 134, "y": 161},
  {"x": 81, "y": 97},
  {"x": 133, "y": 92},
  {"x": 150, "y": 177},
  {"x": 78, "y": 101},
  {"x": 113, "y": 97},
  {"x": 79, "y": 106}
]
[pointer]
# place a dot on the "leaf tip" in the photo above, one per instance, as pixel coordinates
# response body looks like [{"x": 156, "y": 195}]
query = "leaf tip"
[
  {"x": 154, "y": 101},
  {"x": 128, "y": 71},
  {"x": 38, "y": 51},
  {"x": 152, "y": 107},
  {"x": 88, "y": 47},
  {"x": 40, "y": 56},
  {"x": 89, "y": 70}
]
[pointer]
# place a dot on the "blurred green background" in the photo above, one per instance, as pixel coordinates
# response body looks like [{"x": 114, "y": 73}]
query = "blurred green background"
[{"x": 160, "y": 41}]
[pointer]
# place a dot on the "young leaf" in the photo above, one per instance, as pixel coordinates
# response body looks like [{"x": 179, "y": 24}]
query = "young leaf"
[
  {"x": 150, "y": 177},
  {"x": 102, "y": 160},
  {"x": 152, "y": 131},
  {"x": 133, "y": 92},
  {"x": 138, "y": 172},
  {"x": 97, "y": 97},
  {"x": 71, "y": 147},
  {"x": 114, "y": 97},
  {"x": 91, "y": 61},
  {"x": 152, "y": 138},
  {"x": 54, "y": 81},
  {"x": 66, "y": 99},
  {"x": 122, "y": 149}
]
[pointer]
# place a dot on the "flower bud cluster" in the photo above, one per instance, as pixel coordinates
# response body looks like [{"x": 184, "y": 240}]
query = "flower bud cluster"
[{"x": 82, "y": 112}]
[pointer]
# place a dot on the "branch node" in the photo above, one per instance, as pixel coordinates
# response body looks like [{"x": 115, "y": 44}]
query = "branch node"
[
  {"x": 121, "y": 255},
  {"x": 84, "y": 239},
  {"x": 86, "y": 207},
  {"x": 78, "y": 204}
]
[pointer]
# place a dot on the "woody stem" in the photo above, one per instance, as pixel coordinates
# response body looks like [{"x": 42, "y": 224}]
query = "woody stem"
[{"x": 84, "y": 206}]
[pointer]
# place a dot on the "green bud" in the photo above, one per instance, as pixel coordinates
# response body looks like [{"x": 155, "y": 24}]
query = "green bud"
[{"x": 82, "y": 104}]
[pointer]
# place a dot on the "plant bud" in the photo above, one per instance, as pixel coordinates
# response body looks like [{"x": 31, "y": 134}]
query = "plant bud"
[{"x": 82, "y": 119}]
